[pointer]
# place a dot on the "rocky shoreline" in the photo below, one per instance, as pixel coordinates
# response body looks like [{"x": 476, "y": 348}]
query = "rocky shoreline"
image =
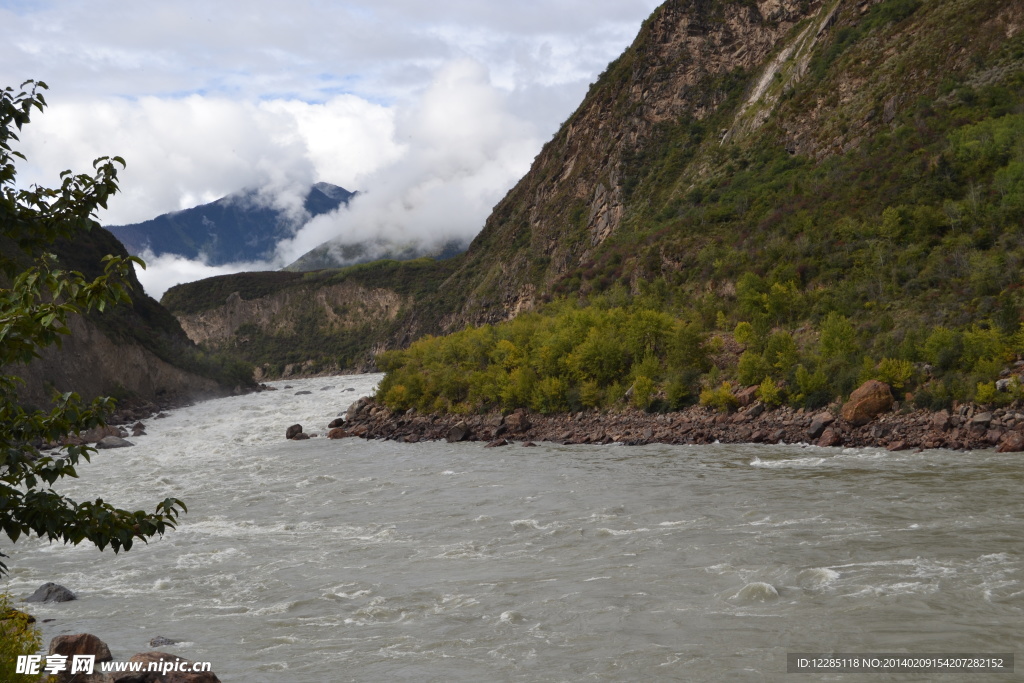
[{"x": 966, "y": 427}]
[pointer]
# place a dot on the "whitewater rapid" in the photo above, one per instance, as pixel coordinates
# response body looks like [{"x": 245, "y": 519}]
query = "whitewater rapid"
[{"x": 343, "y": 560}]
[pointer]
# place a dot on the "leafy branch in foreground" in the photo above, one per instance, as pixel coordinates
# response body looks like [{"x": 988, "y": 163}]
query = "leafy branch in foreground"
[{"x": 34, "y": 313}]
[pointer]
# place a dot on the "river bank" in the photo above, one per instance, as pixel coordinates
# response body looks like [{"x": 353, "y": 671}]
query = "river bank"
[{"x": 967, "y": 427}]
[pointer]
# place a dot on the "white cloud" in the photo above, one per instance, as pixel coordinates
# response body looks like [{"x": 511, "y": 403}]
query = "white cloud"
[
  {"x": 165, "y": 271},
  {"x": 433, "y": 110},
  {"x": 463, "y": 150}
]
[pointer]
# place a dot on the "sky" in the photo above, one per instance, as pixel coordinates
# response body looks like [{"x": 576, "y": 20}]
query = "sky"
[{"x": 432, "y": 111}]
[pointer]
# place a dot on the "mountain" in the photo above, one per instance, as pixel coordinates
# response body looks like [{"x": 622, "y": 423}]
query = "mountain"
[
  {"x": 770, "y": 162},
  {"x": 338, "y": 253},
  {"x": 136, "y": 351},
  {"x": 240, "y": 227}
]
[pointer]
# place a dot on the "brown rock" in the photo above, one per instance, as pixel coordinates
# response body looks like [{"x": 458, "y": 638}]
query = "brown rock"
[
  {"x": 747, "y": 396},
  {"x": 337, "y": 433},
  {"x": 1013, "y": 442},
  {"x": 496, "y": 444},
  {"x": 829, "y": 437},
  {"x": 898, "y": 445},
  {"x": 867, "y": 402},
  {"x": 458, "y": 432},
  {"x": 165, "y": 660},
  {"x": 80, "y": 644},
  {"x": 336, "y": 422},
  {"x": 818, "y": 424},
  {"x": 940, "y": 421},
  {"x": 293, "y": 431},
  {"x": 300, "y": 436},
  {"x": 517, "y": 421},
  {"x": 994, "y": 435}
]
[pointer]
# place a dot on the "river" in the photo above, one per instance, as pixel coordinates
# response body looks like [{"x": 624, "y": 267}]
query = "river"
[{"x": 350, "y": 560}]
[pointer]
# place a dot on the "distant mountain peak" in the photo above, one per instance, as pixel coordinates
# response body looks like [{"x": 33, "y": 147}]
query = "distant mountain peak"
[{"x": 238, "y": 227}]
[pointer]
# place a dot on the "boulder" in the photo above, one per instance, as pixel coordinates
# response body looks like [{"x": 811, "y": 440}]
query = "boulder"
[
  {"x": 982, "y": 419},
  {"x": 51, "y": 592},
  {"x": 138, "y": 429},
  {"x": 457, "y": 432},
  {"x": 518, "y": 421},
  {"x": 496, "y": 444},
  {"x": 867, "y": 402},
  {"x": 356, "y": 408},
  {"x": 818, "y": 424},
  {"x": 1013, "y": 442},
  {"x": 940, "y": 420},
  {"x": 337, "y": 433},
  {"x": 301, "y": 436},
  {"x": 113, "y": 442},
  {"x": 98, "y": 433},
  {"x": 747, "y": 395},
  {"x": 161, "y": 641},
  {"x": 327, "y": 388},
  {"x": 293, "y": 431},
  {"x": 80, "y": 644},
  {"x": 166, "y": 659},
  {"x": 829, "y": 438},
  {"x": 302, "y": 393},
  {"x": 336, "y": 422}
]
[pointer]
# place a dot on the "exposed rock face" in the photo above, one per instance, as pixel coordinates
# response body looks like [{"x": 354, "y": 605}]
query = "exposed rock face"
[
  {"x": 51, "y": 592},
  {"x": 867, "y": 402},
  {"x": 90, "y": 364},
  {"x": 340, "y": 306},
  {"x": 575, "y": 194}
]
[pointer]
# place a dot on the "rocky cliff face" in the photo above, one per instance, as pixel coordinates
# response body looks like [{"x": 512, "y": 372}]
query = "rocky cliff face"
[
  {"x": 681, "y": 67},
  {"x": 91, "y": 364},
  {"x": 339, "y": 307},
  {"x": 136, "y": 351}
]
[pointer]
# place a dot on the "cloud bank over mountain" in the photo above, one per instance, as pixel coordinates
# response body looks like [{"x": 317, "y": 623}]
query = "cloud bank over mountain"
[{"x": 432, "y": 112}]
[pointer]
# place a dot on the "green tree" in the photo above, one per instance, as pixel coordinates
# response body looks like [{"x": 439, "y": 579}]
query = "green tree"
[{"x": 35, "y": 304}]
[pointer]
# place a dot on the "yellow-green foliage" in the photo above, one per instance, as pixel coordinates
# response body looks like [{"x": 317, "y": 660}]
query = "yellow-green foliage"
[
  {"x": 720, "y": 398},
  {"x": 566, "y": 358},
  {"x": 985, "y": 392},
  {"x": 894, "y": 372},
  {"x": 769, "y": 393},
  {"x": 17, "y": 637}
]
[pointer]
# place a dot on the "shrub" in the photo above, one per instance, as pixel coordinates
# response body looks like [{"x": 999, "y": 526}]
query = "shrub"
[
  {"x": 643, "y": 391},
  {"x": 721, "y": 398},
  {"x": 896, "y": 373},
  {"x": 769, "y": 393},
  {"x": 18, "y": 637}
]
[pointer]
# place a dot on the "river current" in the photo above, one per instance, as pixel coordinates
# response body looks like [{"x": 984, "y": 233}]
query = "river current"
[{"x": 350, "y": 560}]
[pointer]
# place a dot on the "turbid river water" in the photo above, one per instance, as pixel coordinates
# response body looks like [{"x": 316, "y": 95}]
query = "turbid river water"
[{"x": 375, "y": 561}]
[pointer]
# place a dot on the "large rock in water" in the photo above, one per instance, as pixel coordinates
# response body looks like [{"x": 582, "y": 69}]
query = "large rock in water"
[
  {"x": 51, "y": 592},
  {"x": 167, "y": 661},
  {"x": 867, "y": 402}
]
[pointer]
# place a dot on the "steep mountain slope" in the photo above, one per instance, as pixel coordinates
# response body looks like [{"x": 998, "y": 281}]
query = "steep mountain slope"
[
  {"x": 674, "y": 159},
  {"x": 137, "y": 351},
  {"x": 770, "y": 162},
  {"x": 239, "y": 227},
  {"x": 339, "y": 253}
]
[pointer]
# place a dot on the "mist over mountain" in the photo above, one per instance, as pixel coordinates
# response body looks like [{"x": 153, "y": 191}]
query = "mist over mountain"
[{"x": 245, "y": 226}]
